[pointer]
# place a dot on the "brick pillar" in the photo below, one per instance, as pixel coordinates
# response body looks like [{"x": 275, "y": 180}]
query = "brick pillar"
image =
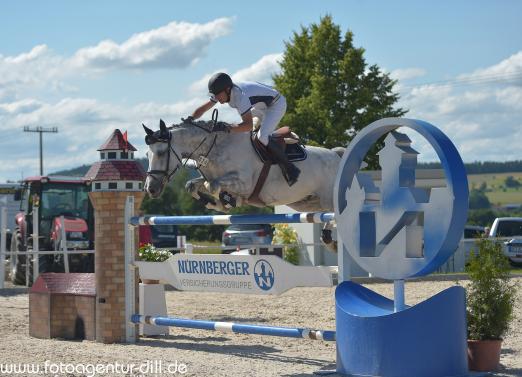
[{"x": 109, "y": 207}]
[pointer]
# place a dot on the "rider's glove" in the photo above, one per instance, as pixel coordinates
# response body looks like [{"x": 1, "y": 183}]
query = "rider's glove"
[
  {"x": 221, "y": 127},
  {"x": 189, "y": 119}
]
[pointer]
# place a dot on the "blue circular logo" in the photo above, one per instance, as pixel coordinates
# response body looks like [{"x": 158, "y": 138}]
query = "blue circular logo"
[
  {"x": 396, "y": 230},
  {"x": 264, "y": 275}
]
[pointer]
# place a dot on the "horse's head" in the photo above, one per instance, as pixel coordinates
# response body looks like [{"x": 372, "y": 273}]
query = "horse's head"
[{"x": 161, "y": 169}]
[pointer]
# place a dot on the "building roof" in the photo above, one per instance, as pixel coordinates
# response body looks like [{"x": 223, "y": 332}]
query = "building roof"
[
  {"x": 80, "y": 284},
  {"x": 116, "y": 170},
  {"x": 116, "y": 142},
  {"x": 55, "y": 178}
]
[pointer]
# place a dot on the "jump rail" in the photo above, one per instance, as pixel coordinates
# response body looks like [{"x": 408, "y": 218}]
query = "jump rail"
[
  {"x": 283, "y": 218},
  {"x": 288, "y": 332}
]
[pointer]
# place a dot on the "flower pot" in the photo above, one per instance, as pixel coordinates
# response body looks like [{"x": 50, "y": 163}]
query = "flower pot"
[{"x": 484, "y": 355}]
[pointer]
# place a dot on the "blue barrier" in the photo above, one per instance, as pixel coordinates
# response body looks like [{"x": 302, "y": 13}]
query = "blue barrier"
[
  {"x": 285, "y": 218},
  {"x": 287, "y": 332}
]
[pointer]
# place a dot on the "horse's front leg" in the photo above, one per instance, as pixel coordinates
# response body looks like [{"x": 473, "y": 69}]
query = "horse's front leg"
[
  {"x": 194, "y": 185},
  {"x": 197, "y": 189}
]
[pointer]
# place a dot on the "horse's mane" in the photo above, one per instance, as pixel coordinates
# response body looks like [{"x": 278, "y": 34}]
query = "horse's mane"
[{"x": 194, "y": 124}]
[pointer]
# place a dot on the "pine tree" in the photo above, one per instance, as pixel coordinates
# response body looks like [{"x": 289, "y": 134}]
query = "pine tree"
[{"x": 330, "y": 90}]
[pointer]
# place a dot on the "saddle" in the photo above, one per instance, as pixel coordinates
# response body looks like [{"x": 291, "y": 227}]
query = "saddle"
[
  {"x": 284, "y": 136},
  {"x": 293, "y": 149}
]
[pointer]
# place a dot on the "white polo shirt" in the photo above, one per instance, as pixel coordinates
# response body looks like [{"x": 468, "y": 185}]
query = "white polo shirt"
[{"x": 245, "y": 96}]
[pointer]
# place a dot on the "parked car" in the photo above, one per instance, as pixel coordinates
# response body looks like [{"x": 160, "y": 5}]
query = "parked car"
[
  {"x": 161, "y": 236},
  {"x": 511, "y": 228},
  {"x": 474, "y": 231},
  {"x": 240, "y": 234}
]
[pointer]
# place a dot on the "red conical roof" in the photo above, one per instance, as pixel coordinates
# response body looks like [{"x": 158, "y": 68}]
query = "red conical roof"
[
  {"x": 116, "y": 142},
  {"x": 116, "y": 170}
]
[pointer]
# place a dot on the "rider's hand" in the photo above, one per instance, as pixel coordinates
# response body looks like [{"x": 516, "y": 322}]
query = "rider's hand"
[
  {"x": 189, "y": 119},
  {"x": 221, "y": 127}
]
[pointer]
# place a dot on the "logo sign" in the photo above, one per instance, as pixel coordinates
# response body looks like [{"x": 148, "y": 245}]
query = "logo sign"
[
  {"x": 252, "y": 274},
  {"x": 264, "y": 275},
  {"x": 398, "y": 230}
]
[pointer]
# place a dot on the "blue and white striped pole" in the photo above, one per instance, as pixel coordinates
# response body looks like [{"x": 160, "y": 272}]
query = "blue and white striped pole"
[
  {"x": 288, "y": 332},
  {"x": 283, "y": 218}
]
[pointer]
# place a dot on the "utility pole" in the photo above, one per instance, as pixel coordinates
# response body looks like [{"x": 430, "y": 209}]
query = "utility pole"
[{"x": 41, "y": 130}]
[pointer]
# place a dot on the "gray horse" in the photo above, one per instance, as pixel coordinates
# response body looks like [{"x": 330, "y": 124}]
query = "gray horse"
[{"x": 228, "y": 164}]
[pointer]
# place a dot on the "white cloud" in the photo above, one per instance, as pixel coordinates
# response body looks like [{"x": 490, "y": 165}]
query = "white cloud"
[
  {"x": 261, "y": 71},
  {"x": 39, "y": 68},
  {"x": 404, "y": 74},
  {"x": 484, "y": 121},
  {"x": 83, "y": 124},
  {"x": 510, "y": 68},
  {"x": 200, "y": 86},
  {"x": 176, "y": 45}
]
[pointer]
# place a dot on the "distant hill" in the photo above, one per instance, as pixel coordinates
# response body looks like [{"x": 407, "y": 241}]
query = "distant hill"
[
  {"x": 478, "y": 167},
  {"x": 485, "y": 167}
]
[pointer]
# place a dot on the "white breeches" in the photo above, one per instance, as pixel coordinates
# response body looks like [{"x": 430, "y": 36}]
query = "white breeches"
[{"x": 270, "y": 118}]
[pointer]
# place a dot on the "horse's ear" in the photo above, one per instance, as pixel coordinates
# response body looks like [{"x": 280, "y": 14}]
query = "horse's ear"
[
  {"x": 163, "y": 127},
  {"x": 148, "y": 131}
]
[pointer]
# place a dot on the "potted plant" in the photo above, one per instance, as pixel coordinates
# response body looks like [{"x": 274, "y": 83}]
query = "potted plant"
[
  {"x": 283, "y": 235},
  {"x": 490, "y": 304},
  {"x": 149, "y": 253}
]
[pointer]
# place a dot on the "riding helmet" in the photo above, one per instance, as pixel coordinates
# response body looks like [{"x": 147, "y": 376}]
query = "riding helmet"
[{"x": 219, "y": 82}]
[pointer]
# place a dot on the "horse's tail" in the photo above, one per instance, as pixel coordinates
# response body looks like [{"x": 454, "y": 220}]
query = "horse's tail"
[{"x": 339, "y": 150}]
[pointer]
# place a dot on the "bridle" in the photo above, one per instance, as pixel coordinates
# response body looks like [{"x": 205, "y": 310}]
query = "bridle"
[
  {"x": 167, "y": 175},
  {"x": 163, "y": 138}
]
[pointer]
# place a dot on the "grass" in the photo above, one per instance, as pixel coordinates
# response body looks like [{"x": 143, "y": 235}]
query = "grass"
[
  {"x": 496, "y": 192},
  {"x": 217, "y": 250}
]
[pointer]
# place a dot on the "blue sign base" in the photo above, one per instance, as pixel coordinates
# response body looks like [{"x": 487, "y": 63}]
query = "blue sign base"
[{"x": 428, "y": 339}]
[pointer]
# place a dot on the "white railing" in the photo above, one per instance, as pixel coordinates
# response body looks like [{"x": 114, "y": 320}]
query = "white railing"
[{"x": 35, "y": 252}]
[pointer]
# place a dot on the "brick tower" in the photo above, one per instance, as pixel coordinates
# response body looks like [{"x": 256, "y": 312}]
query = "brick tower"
[{"x": 113, "y": 178}]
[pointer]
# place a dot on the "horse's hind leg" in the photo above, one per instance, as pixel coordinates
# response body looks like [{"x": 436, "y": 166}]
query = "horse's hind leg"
[
  {"x": 326, "y": 237},
  {"x": 228, "y": 186}
]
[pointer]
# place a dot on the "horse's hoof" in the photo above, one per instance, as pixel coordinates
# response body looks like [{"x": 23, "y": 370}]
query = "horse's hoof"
[
  {"x": 227, "y": 200},
  {"x": 326, "y": 236}
]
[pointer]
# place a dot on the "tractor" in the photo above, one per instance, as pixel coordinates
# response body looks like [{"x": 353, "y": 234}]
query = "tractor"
[{"x": 55, "y": 197}]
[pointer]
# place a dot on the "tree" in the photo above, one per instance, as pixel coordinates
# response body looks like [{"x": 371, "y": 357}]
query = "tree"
[
  {"x": 511, "y": 182},
  {"x": 478, "y": 200},
  {"x": 331, "y": 92},
  {"x": 483, "y": 217}
]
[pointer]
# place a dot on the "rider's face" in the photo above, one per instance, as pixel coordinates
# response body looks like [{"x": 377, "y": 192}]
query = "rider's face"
[{"x": 223, "y": 96}]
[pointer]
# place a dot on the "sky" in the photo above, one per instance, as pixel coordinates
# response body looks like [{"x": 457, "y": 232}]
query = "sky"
[{"x": 90, "y": 67}]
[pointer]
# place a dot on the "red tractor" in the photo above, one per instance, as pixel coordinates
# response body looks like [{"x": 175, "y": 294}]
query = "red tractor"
[{"x": 55, "y": 196}]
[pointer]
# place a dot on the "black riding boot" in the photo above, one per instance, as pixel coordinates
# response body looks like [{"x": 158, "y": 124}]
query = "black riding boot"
[{"x": 290, "y": 171}]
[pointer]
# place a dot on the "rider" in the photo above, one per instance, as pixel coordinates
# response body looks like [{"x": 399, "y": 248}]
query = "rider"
[{"x": 252, "y": 99}]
